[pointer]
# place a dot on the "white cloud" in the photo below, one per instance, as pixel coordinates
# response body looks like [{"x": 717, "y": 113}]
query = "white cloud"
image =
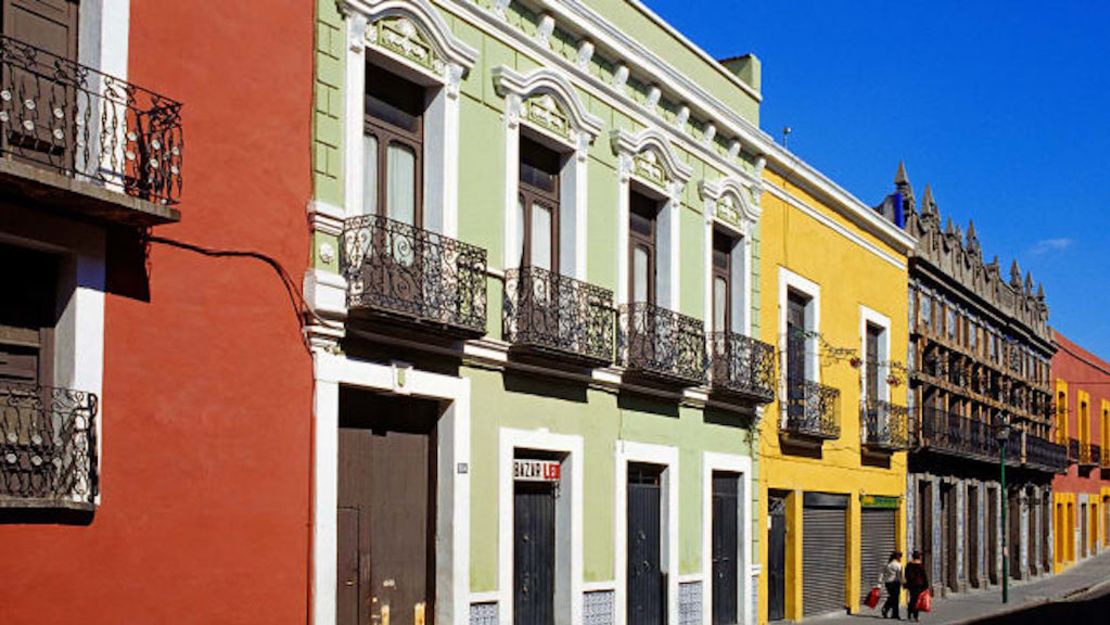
[{"x": 1048, "y": 246}]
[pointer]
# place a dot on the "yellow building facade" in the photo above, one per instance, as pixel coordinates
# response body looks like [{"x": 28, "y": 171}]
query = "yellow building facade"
[{"x": 833, "y": 299}]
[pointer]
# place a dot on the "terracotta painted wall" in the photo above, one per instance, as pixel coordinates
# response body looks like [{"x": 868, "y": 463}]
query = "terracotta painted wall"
[
  {"x": 207, "y": 391},
  {"x": 1082, "y": 372}
]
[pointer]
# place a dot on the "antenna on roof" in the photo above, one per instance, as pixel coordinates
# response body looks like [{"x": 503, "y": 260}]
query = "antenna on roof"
[{"x": 785, "y": 135}]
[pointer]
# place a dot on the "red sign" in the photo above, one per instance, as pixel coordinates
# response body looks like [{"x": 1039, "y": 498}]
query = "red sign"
[{"x": 536, "y": 470}]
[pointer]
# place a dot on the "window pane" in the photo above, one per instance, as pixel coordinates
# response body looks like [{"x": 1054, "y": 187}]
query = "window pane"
[
  {"x": 520, "y": 230},
  {"x": 401, "y": 169},
  {"x": 640, "y": 262},
  {"x": 720, "y": 304},
  {"x": 541, "y": 236},
  {"x": 369, "y": 174}
]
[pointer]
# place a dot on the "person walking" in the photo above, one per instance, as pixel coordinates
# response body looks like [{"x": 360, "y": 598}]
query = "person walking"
[
  {"x": 891, "y": 578},
  {"x": 917, "y": 582}
]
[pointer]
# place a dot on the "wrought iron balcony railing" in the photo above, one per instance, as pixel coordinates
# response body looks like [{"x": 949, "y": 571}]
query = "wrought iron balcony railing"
[
  {"x": 407, "y": 273},
  {"x": 548, "y": 312},
  {"x": 885, "y": 426},
  {"x": 742, "y": 366},
  {"x": 812, "y": 410},
  {"x": 81, "y": 123},
  {"x": 662, "y": 344},
  {"x": 1044, "y": 454},
  {"x": 48, "y": 452},
  {"x": 1089, "y": 455},
  {"x": 958, "y": 435},
  {"x": 1104, "y": 459},
  {"x": 1073, "y": 450}
]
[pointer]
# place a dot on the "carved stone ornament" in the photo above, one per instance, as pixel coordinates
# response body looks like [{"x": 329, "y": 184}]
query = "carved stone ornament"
[
  {"x": 401, "y": 36},
  {"x": 543, "y": 111}
]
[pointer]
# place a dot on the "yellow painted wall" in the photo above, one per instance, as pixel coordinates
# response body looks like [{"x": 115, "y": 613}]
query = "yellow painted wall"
[
  {"x": 1064, "y": 507},
  {"x": 849, "y": 275}
]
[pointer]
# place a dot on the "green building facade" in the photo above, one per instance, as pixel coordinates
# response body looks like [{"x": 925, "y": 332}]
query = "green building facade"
[{"x": 536, "y": 254}]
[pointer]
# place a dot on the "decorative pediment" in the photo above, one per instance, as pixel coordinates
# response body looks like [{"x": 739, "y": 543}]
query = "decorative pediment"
[
  {"x": 734, "y": 202},
  {"x": 546, "y": 99},
  {"x": 648, "y": 156},
  {"x": 412, "y": 31}
]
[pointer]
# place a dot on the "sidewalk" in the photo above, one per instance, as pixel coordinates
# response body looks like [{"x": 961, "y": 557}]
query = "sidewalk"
[{"x": 975, "y": 605}]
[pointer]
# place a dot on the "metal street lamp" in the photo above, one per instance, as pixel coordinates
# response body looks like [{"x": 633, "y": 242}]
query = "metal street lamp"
[{"x": 1002, "y": 434}]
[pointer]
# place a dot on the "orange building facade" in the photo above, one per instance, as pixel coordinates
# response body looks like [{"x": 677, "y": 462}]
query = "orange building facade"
[{"x": 1081, "y": 496}]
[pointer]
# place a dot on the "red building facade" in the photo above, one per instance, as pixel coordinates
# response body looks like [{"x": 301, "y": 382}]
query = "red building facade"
[
  {"x": 1081, "y": 497},
  {"x": 155, "y": 389}
]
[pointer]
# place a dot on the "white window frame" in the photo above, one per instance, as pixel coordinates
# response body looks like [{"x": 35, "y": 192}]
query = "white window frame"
[
  {"x": 441, "y": 121},
  {"x": 741, "y": 258},
  {"x": 627, "y": 146},
  {"x": 790, "y": 281},
  {"x": 568, "y": 521},
  {"x": 573, "y": 178},
  {"x": 667, "y": 457},
  {"x": 712, "y": 461},
  {"x": 875, "y": 318},
  {"x": 331, "y": 371}
]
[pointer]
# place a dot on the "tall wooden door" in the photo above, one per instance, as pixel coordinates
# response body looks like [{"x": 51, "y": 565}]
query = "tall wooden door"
[
  {"x": 726, "y": 547},
  {"x": 992, "y": 535},
  {"x": 534, "y": 553},
  {"x": 795, "y": 355},
  {"x": 776, "y": 558},
  {"x": 51, "y": 26},
  {"x": 647, "y": 596},
  {"x": 386, "y": 558},
  {"x": 971, "y": 531}
]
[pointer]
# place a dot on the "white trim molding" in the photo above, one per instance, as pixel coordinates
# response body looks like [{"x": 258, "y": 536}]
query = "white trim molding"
[
  {"x": 332, "y": 371},
  {"x": 790, "y": 281},
  {"x": 728, "y": 207},
  {"x": 875, "y": 318},
  {"x": 411, "y": 38},
  {"x": 667, "y": 457},
  {"x": 568, "y": 520},
  {"x": 544, "y": 102},
  {"x": 742, "y": 465},
  {"x": 648, "y": 159}
]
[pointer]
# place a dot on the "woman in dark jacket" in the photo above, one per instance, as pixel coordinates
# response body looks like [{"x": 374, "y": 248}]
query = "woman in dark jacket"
[{"x": 917, "y": 581}]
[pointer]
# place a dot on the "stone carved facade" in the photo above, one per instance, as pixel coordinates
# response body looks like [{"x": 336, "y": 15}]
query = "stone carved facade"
[{"x": 961, "y": 258}]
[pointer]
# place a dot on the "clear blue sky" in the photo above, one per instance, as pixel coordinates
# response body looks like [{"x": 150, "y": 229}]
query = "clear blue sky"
[{"x": 1003, "y": 107}]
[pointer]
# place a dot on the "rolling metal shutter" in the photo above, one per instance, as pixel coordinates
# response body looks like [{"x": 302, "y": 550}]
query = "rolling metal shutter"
[
  {"x": 876, "y": 543},
  {"x": 823, "y": 553}
]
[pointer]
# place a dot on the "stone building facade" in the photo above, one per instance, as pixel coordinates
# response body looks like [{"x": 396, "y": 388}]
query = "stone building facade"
[{"x": 979, "y": 353}]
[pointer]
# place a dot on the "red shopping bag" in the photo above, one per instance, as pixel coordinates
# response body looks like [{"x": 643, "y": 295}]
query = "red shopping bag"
[
  {"x": 872, "y": 598},
  {"x": 925, "y": 602}
]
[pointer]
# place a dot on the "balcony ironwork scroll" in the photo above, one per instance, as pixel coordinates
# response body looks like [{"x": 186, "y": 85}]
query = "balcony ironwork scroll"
[
  {"x": 813, "y": 410},
  {"x": 398, "y": 269},
  {"x": 48, "y": 447},
  {"x": 742, "y": 366},
  {"x": 1073, "y": 450},
  {"x": 885, "y": 425},
  {"x": 84, "y": 124},
  {"x": 663, "y": 344},
  {"x": 958, "y": 435},
  {"x": 1096, "y": 454},
  {"x": 1044, "y": 454},
  {"x": 549, "y": 312}
]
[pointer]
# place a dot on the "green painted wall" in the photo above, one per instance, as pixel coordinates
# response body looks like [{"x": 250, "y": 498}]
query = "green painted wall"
[
  {"x": 601, "y": 418},
  {"x": 500, "y": 399}
]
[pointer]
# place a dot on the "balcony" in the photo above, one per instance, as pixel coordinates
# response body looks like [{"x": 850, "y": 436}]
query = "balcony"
[
  {"x": 79, "y": 141},
  {"x": 662, "y": 345},
  {"x": 1089, "y": 455},
  {"x": 48, "y": 453},
  {"x": 885, "y": 426},
  {"x": 812, "y": 411},
  {"x": 1104, "y": 459},
  {"x": 1044, "y": 454},
  {"x": 957, "y": 435},
  {"x": 546, "y": 313},
  {"x": 742, "y": 367},
  {"x": 400, "y": 273},
  {"x": 1073, "y": 450}
]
